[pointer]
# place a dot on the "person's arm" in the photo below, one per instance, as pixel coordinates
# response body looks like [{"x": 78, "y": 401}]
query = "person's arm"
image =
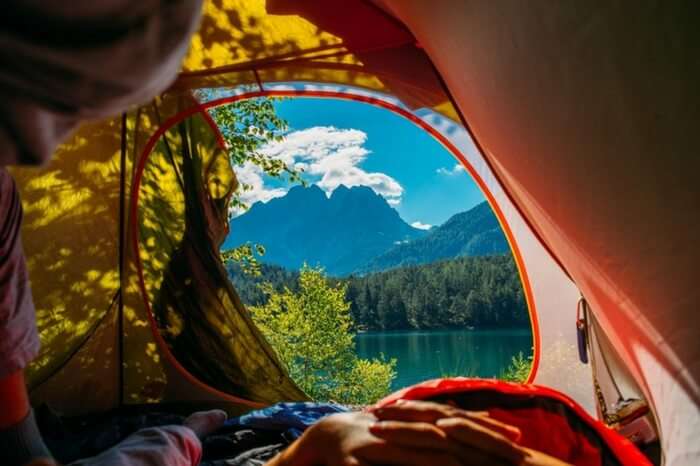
[
  {"x": 349, "y": 440},
  {"x": 345, "y": 440},
  {"x": 165, "y": 445},
  {"x": 14, "y": 403},
  {"x": 153, "y": 446},
  {"x": 474, "y": 437},
  {"x": 20, "y": 440}
]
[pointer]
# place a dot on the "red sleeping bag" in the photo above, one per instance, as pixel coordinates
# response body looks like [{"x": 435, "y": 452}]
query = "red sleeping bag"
[{"x": 549, "y": 421}]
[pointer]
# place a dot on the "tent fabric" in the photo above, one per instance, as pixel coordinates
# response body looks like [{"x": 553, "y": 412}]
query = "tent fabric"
[
  {"x": 97, "y": 354},
  {"x": 602, "y": 103},
  {"x": 71, "y": 239},
  {"x": 195, "y": 306},
  {"x": 87, "y": 379},
  {"x": 284, "y": 41},
  {"x": 549, "y": 421}
]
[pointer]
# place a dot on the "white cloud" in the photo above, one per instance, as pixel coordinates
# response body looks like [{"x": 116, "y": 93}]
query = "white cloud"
[
  {"x": 456, "y": 170},
  {"x": 314, "y": 143},
  {"x": 252, "y": 175},
  {"x": 421, "y": 226},
  {"x": 330, "y": 157}
]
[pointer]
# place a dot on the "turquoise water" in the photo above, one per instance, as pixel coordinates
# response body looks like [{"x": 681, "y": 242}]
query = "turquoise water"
[{"x": 423, "y": 355}]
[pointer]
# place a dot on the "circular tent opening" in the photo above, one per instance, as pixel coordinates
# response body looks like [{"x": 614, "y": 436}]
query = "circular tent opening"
[
  {"x": 385, "y": 214},
  {"x": 186, "y": 130}
]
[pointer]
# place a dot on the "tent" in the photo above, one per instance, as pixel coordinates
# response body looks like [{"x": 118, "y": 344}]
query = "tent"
[{"x": 576, "y": 121}]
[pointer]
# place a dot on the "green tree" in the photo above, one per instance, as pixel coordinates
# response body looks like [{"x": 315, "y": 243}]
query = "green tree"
[
  {"x": 246, "y": 127},
  {"x": 518, "y": 370},
  {"x": 311, "y": 331},
  {"x": 480, "y": 292}
]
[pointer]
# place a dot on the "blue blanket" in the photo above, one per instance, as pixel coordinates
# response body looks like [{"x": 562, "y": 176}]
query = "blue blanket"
[{"x": 293, "y": 418}]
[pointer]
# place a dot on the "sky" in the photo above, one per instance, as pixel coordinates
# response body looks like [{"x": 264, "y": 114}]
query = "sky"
[{"x": 354, "y": 143}]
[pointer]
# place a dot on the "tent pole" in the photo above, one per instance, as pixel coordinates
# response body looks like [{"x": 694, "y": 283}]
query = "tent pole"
[{"x": 120, "y": 303}]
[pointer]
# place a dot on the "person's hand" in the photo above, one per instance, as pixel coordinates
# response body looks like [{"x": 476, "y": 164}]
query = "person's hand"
[
  {"x": 472, "y": 437},
  {"x": 427, "y": 411},
  {"x": 475, "y": 437},
  {"x": 204, "y": 423},
  {"x": 346, "y": 440}
]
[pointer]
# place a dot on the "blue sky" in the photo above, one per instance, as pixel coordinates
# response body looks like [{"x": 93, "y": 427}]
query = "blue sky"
[{"x": 353, "y": 143}]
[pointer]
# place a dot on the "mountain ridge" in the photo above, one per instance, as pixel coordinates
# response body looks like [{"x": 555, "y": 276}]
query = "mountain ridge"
[
  {"x": 339, "y": 232},
  {"x": 356, "y": 231},
  {"x": 473, "y": 233}
]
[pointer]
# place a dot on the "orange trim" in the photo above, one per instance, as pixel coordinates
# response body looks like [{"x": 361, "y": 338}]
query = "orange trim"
[
  {"x": 305, "y": 64},
  {"x": 201, "y": 108},
  {"x": 214, "y": 127},
  {"x": 148, "y": 149}
]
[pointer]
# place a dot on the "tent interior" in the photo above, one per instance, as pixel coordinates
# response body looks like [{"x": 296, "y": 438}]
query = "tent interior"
[{"x": 583, "y": 121}]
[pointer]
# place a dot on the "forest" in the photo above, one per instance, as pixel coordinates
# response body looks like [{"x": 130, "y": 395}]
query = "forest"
[{"x": 479, "y": 292}]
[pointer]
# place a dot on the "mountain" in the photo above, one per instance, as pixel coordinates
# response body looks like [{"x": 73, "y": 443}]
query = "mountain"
[
  {"x": 339, "y": 233},
  {"x": 475, "y": 232}
]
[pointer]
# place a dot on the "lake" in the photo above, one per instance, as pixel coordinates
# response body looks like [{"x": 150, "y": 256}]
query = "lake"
[{"x": 428, "y": 354}]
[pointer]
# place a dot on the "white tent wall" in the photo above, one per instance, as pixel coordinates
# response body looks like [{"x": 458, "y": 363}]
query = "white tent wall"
[{"x": 589, "y": 114}]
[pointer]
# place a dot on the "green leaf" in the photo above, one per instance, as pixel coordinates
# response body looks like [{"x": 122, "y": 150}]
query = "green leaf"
[{"x": 311, "y": 332}]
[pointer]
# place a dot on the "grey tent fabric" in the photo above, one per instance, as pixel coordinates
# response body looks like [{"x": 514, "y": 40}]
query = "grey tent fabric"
[{"x": 61, "y": 62}]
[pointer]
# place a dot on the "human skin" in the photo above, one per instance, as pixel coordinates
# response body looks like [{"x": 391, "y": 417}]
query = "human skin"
[
  {"x": 411, "y": 434},
  {"x": 345, "y": 440},
  {"x": 406, "y": 434},
  {"x": 476, "y": 437}
]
